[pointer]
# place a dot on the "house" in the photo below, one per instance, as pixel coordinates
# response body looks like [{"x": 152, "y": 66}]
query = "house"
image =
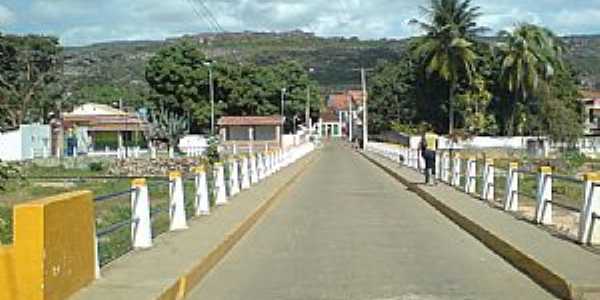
[
  {"x": 591, "y": 102},
  {"x": 26, "y": 142},
  {"x": 346, "y": 108},
  {"x": 246, "y": 133},
  {"x": 97, "y": 127}
]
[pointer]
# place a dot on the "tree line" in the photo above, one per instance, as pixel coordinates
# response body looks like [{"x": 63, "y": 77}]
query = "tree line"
[{"x": 455, "y": 80}]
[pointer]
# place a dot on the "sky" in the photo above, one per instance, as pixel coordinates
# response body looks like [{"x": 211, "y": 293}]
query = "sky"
[{"x": 82, "y": 22}]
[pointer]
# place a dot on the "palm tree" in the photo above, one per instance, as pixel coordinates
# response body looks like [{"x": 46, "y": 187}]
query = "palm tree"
[
  {"x": 448, "y": 47},
  {"x": 529, "y": 55}
]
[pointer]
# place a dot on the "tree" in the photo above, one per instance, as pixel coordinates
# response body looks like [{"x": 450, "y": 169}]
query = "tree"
[
  {"x": 179, "y": 71},
  {"x": 28, "y": 65},
  {"x": 447, "y": 48},
  {"x": 168, "y": 126},
  {"x": 392, "y": 95},
  {"x": 530, "y": 56}
]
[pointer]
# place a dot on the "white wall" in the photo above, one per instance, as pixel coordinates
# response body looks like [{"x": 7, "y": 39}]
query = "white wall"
[{"x": 10, "y": 146}]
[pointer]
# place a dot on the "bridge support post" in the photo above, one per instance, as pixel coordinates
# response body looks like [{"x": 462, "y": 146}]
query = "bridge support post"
[
  {"x": 234, "y": 185},
  {"x": 511, "y": 202},
  {"x": 456, "y": 174},
  {"x": 543, "y": 213},
  {"x": 201, "y": 203},
  {"x": 253, "y": 169},
  {"x": 589, "y": 222},
  {"x": 141, "y": 227},
  {"x": 177, "y": 202},
  {"x": 260, "y": 166},
  {"x": 220, "y": 188},
  {"x": 446, "y": 167},
  {"x": 487, "y": 193},
  {"x": 245, "y": 173},
  {"x": 471, "y": 180},
  {"x": 438, "y": 165}
]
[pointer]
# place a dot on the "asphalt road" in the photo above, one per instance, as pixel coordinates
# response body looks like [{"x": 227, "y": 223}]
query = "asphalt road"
[{"x": 346, "y": 230}]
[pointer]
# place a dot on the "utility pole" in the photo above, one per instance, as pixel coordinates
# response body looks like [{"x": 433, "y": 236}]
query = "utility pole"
[
  {"x": 365, "y": 131},
  {"x": 308, "y": 120},
  {"x": 283, "y": 91},
  {"x": 212, "y": 101},
  {"x": 126, "y": 121}
]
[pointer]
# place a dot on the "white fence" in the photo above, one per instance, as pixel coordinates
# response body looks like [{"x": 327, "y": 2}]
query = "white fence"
[{"x": 588, "y": 208}]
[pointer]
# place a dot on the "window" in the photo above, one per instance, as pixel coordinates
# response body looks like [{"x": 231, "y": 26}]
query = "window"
[{"x": 265, "y": 133}]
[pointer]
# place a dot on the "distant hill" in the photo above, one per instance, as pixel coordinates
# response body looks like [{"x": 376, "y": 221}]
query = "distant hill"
[{"x": 334, "y": 59}]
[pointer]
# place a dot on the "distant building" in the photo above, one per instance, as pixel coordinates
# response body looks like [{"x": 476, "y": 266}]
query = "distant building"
[
  {"x": 251, "y": 132},
  {"x": 26, "y": 142},
  {"x": 591, "y": 101},
  {"x": 344, "y": 106},
  {"x": 98, "y": 127}
]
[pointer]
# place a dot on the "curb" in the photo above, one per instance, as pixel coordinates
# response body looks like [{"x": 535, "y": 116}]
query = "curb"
[
  {"x": 194, "y": 276},
  {"x": 543, "y": 276}
]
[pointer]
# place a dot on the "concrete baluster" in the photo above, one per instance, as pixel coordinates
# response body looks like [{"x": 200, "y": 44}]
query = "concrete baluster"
[
  {"x": 260, "y": 166},
  {"x": 471, "y": 180},
  {"x": 438, "y": 165},
  {"x": 487, "y": 193},
  {"x": 220, "y": 189},
  {"x": 543, "y": 213},
  {"x": 589, "y": 219},
  {"x": 245, "y": 173},
  {"x": 253, "y": 169},
  {"x": 511, "y": 202},
  {"x": 456, "y": 168},
  {"x": 202, "y": 204},
  {"x": 446, "y": 167},
  {"x": 234, "y": 185},
  {"x": 141, "y": 227},
  {"x": 177, "y": 202}
]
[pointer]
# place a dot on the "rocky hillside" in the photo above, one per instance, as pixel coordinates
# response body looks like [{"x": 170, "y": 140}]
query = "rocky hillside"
[{"x": 122, "y": 63}]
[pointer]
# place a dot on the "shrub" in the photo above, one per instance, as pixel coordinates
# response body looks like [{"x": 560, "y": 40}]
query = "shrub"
[{"x": 96, "y": 166}]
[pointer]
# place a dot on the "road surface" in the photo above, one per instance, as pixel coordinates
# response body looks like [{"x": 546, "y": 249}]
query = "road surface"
[{"x": 346, "y": 230}]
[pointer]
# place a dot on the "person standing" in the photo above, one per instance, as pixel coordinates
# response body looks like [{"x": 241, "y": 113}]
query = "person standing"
[{"x": 428, "y": 154}]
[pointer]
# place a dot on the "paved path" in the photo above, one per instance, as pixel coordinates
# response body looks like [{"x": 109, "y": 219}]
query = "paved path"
[{"x": 346, "y": 230}]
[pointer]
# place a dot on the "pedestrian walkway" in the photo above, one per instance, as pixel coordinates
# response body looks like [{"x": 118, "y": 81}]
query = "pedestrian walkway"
[
  {"x": 347, "y": 230},
  {"x": 150, "y": 274},
  {"x": 560, "y": 265}
]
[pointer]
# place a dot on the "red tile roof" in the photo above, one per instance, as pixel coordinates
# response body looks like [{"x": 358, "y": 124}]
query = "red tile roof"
[
  {"x": 329, "y": 117},
  {"x": 341, "y": 101},
  {"x": 590, "y": 94},
  {"x": 250, "y": 120}
]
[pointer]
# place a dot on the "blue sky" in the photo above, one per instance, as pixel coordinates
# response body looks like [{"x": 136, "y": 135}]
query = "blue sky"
[{"x": 80, "y": 22}]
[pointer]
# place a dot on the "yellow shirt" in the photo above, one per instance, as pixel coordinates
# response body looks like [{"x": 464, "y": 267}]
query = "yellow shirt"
[{"x": 431, "y": 140}]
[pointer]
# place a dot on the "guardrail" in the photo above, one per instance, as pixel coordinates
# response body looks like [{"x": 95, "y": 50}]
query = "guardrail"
[
  {"x": 229, "y": 178},
  {"x": 449, "y": 170}
]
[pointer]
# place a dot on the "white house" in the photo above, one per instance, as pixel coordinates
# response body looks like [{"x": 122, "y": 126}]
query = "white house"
[{"x": 27, "y": 142}]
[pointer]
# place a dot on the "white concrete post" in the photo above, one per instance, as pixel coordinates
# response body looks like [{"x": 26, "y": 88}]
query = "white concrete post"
[
  {"x": 511, "y": 202},
  {"x": 234, "y": 186},
  {"x": 202, "y": 204},
  {"x": 471, "y": 180},
  {"x": 253, "y": 169},
  {"x": 456, "y": 174},
  {"x": 220, "y": 189},
  {"x": 589, "y": 222},
  {"x": 152, "y": 152},
  {"x": 438, "y": 165},
  {"x": 141, "y": 227},
  {"x": 487, "y": 193},
  {"x": 446, "y": 167},
  {"x": 543, "y": 214},
  {"x": 136, "y": 152},
  {"x": 260, "y": 165},
  {"x": 177, "y": 202},
  {"x": 245, "y": 173}
]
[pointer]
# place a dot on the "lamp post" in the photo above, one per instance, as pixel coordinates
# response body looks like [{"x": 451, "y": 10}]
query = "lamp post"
[
  {"x": 212, "y": 97},
  {"x": 308, "y": 119},
  {"x": 283, "y": 91}
]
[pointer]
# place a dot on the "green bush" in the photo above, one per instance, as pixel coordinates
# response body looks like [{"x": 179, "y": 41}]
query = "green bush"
[
  {"x": 5, "y": 225},
  {"x": 96, "y": 166},
  {"x": 574, "y": 159}
]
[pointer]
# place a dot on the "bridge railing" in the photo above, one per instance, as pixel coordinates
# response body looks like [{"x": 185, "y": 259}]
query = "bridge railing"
[{"x": 545, "y": 191}]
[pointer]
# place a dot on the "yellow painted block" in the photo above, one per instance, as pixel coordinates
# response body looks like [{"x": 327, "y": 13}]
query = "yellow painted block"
[
  {"x": 489, "y": 161},
  {"x": 546, "y": 170},
  {"x": 199, "y": 169},
  {"x": 514, "y": 165},
  {"x": 139, "y": 182},
  {"x": 595, "y": 177},
  {"x": 174, "y": 175},
  {"x": 8, "y": 273},
  {"x": 54, "y": 246}
]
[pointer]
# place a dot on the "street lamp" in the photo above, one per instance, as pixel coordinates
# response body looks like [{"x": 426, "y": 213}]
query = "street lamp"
[
  {"x": 212, "y": 97},
  {"x": 283, "y": 91},
  {"x": 308, "y": 120}
]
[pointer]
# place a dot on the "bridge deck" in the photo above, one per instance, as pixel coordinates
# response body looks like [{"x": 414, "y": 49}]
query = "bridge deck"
[{"x": 346, "y": 230}]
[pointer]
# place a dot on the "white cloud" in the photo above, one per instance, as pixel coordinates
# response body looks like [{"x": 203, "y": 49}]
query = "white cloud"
[
  {"x": 84, "y": 21},
  {"x": 6, "y": 16}
]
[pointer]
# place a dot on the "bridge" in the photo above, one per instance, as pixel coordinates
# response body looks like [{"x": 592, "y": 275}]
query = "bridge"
[{"x": 326, "y": 223}]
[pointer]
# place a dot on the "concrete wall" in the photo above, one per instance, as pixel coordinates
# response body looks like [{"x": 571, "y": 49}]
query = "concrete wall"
[
  {"x": 11, "y": 146},
  {"x": 53, "y": 252}
]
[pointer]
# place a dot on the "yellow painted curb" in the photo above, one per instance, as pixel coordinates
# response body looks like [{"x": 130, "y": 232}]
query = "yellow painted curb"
[
  {"x": 549, "y": 280},
  {"x": 194, "y": 276}
]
